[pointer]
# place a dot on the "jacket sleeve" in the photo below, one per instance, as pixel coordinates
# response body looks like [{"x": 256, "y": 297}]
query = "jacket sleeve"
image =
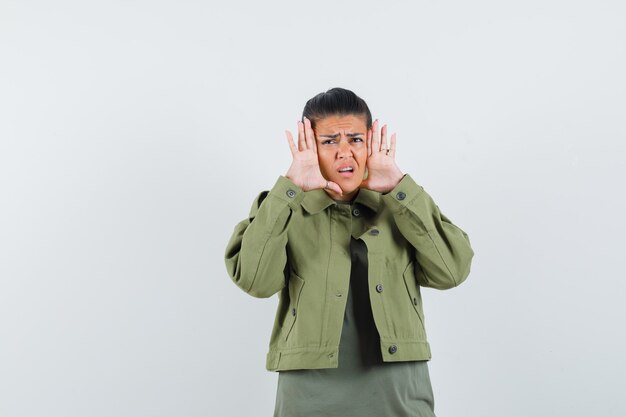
[
  {"x": 442, "y": 249},
  {"x": 256, "y": 255}
]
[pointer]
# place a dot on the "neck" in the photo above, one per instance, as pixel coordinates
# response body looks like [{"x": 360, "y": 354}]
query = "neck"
[{"x": 346, "y": 197}]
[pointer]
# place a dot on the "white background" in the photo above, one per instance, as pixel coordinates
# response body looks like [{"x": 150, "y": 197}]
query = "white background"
[{"x": 135, "y": 135}]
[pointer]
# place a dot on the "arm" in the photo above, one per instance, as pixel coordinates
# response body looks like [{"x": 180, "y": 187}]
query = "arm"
[
  {"x": 256, "y": 253},
  {"x": 442, "y": 249}
]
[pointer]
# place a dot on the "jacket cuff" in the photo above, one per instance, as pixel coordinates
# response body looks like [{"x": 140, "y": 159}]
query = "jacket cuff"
[
  {"x": 403, "y": 194},
  {"x": 287, "y": 191}
]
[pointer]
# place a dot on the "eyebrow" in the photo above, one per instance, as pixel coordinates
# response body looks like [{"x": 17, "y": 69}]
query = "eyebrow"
[{"x": 336, "y": 135}]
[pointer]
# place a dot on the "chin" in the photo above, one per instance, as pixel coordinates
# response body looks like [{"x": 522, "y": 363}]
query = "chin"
[{"x": 349, "y": 188}]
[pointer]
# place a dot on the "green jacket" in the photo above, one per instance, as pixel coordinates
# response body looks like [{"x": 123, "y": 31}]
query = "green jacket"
[{"x": 296, "y": 243}]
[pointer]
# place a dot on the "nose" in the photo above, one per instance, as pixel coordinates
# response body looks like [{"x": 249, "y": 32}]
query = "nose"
[{"x": 344, "y": 150}]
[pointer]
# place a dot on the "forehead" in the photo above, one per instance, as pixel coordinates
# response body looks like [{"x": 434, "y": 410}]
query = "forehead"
[{"x": 336, "y": 124}]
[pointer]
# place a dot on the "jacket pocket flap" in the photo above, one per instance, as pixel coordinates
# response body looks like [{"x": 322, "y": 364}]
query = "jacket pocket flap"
[
  {"x": 412, "y": 288},
  {"x": 295, "y": 289}
]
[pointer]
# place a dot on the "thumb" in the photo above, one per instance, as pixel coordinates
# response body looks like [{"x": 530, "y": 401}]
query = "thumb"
[{"x": 335, "y": 187}]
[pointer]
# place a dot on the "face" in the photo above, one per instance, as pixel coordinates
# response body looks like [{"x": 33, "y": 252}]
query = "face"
[{"x": 342, "y": 152}]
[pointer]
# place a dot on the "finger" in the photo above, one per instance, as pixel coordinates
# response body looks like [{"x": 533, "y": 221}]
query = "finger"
[
  {"x": 375, "y": 137},
  {"x": 392, "y": 146},
  {"x": 301, "y": 138},
  {"x": 292, "y": 145},
  {"x": 383, "y": 139},
  {"x": 369, "y": 142},
  {"x": 335, "y": 187},
  {"x": 313, "y": 141},
  {"x": 308, "y": 134}
]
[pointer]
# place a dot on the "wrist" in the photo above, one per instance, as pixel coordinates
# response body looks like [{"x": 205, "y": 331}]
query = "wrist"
[
  {"x": 289, "y": 175},
  {"x": 397, "y": 178}
]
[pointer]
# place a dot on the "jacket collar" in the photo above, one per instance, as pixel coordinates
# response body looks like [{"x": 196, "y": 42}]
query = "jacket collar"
[{"x": 317, "y": 200}]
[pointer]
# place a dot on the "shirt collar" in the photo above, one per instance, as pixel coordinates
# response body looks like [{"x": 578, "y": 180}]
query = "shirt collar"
[
  {"x": 369, "y": 199},
  {"x": 317, "y": 200}
]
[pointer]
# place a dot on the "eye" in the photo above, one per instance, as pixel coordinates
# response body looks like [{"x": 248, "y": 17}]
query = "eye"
[
  {"x": 327, "y": 141},
  {"x": 358, "y": 139}
]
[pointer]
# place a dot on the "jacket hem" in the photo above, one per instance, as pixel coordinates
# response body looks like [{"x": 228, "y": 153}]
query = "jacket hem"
[{"x": 328, "y": 357}]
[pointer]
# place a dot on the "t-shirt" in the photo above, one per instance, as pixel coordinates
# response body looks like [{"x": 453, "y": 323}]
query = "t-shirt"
[{"x": 363, "y": 385}]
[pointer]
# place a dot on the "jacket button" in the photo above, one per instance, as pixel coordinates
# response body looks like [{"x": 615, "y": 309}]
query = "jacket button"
[
  {"x": 374, "y": 232},
  {"x": 393, "y": 349},
  {"x": 379, "y": 287},
  {"x": 356, "y": 212},
  {"x": 291, "y": 193},
  {"x": 415, "y": 300},
  {"x": 293, "y": 311},
  {"x": 401, "y": 195}
]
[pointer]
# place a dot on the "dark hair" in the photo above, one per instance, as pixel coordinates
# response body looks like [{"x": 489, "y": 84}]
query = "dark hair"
[{"x": 336, "y": 101}]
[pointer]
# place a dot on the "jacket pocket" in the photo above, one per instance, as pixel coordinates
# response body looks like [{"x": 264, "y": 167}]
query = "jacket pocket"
[
  {"x": 295, "y": 288},
  {"x": 413, "y": 290}
]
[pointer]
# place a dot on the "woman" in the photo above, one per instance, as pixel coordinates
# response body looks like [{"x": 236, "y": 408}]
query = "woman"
[{"x": 347, "y": 239}]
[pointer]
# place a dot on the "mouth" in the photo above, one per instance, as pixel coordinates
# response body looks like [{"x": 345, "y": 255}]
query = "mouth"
[{"x": 346, "y": 171}]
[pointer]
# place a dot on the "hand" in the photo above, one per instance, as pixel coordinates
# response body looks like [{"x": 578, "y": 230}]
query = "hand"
[
  {"x": 305, "y": 169},
  {"x": 382, "y": 172}
]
